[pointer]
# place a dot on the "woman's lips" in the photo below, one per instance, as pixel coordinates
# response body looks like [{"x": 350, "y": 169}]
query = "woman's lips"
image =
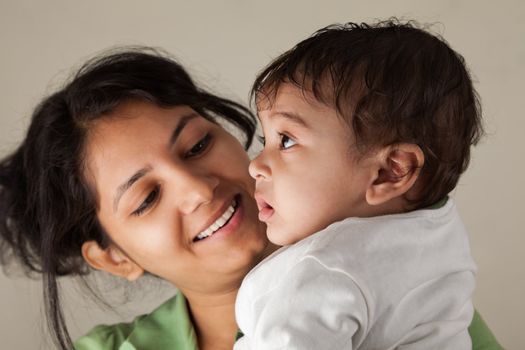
[{"x": 231, "y": 225}]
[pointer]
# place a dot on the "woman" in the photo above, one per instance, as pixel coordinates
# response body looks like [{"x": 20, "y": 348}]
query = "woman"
[{"x": 126, "y": 170}]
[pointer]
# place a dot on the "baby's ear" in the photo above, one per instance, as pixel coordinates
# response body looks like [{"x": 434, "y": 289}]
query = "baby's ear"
[
  {"x": 112, "y": 260},
  {"x": 398, "y": 170}
]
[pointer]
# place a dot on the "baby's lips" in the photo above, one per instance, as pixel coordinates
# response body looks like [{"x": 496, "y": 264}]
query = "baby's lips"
[{"x": 261, "y": 203}]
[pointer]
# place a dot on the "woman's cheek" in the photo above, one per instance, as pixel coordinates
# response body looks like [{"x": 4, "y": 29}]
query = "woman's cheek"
[
  {"x": 234, "y": 161},
  {"x": 152, "y": 235}
]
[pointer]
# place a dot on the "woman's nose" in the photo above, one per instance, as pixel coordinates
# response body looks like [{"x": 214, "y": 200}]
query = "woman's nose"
[
  {"x": 196, "y": 190},
  {"x": 259, "y": 168}
]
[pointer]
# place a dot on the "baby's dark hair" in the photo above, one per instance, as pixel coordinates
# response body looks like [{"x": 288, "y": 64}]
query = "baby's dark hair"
[
  {"x": 46, "y": 209},
  {"x": 394, "y": 83}
]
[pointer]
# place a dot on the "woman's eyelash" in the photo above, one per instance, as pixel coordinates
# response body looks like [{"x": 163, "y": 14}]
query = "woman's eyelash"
[
  {"x": 199, "y": 147},
  {"x": 148, "y": 202}
]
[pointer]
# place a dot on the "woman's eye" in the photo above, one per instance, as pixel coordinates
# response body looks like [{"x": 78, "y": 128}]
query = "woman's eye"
[
  {"x": 199, "y": 147},
  {"x": 150, "y": 199},
  {"x": 286, "y": 142}
]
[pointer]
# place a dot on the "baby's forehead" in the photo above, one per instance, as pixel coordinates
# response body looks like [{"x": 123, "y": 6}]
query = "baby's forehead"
[
  {"x": 294, "y": 107},
  {"x": 286, "y": 93}
]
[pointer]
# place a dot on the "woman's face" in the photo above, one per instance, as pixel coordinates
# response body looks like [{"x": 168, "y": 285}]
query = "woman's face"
[{"x": 174, "y": 194}]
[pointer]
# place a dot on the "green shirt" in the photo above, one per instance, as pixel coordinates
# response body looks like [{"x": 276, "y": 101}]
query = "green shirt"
[
  {"x": 167, "y": 327},
  {"x": 170, "y": 327}
]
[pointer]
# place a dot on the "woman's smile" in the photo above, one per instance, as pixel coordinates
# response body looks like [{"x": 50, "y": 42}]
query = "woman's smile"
[{"x": 225, "y": 223}]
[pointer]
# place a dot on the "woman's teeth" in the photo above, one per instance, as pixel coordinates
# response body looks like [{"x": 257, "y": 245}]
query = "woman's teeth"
[{"x": 220, "y": 222}]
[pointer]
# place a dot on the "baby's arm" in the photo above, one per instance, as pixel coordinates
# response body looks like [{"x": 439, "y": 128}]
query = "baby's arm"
[{"x": 313, "y": 307}]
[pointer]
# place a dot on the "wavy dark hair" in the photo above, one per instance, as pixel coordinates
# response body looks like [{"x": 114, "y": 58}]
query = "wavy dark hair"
[
  {"x": 46, "y": 208},
  {"x": 394, "y": 83}
]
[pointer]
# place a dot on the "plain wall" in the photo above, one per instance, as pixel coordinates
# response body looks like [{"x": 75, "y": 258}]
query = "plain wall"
[{"x": 225, "y": 43}]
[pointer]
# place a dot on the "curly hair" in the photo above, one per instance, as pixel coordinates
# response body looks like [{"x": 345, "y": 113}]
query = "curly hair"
[{"x": 393, "y": 83}]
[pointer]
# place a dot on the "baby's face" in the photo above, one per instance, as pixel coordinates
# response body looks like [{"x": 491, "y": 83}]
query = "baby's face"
[{"x": 309, "y": 173}]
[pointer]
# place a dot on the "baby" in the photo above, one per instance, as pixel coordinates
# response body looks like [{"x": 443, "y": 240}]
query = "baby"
[{"x": 367, "y": 129}]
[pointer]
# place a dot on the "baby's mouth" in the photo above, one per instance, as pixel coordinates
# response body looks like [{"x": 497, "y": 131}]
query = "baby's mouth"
[{"x": 265, "y": 210}]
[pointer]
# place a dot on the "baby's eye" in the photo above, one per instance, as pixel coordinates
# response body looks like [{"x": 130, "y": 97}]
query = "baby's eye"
[{"x": 286, "y": 142}]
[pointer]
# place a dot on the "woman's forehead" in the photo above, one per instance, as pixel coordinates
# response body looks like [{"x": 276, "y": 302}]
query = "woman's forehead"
[{"x": 129, "y": 138}]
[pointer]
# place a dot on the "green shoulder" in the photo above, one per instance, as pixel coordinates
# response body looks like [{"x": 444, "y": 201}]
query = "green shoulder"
[
  {"x": 106, "y": 337},
  {"x": 481, "y": 335},
  {"x": 167, "y": 327}
]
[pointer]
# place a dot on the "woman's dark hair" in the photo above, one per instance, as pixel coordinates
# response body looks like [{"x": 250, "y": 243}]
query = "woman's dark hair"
[
  {"x": 46, "y": 209},
  {"x": 394, "y": 83}
]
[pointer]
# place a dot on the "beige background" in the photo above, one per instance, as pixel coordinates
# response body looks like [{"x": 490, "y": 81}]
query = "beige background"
[{"x": 225, "y": 43}]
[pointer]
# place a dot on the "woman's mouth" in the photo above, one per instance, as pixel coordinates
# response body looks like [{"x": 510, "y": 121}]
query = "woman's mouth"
[{"x": 218, "y": 224}]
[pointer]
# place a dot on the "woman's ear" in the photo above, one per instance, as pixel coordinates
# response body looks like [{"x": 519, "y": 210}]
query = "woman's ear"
[
  {"x": 112, "y": 260},
  {"x": 398, "y": 170}
]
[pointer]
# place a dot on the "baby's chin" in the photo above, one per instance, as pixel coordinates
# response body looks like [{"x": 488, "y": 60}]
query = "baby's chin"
[{"x": 280, "y": 236}]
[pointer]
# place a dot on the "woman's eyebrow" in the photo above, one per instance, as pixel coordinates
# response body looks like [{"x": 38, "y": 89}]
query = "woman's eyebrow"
[
  {"x": 126, "y": 185},
  {"x": 180, "y": 126},
  {"x": 122, "y": 188}
]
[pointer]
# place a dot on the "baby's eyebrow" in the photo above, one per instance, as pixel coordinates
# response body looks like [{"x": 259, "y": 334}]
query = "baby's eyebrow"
[{"x": 292, "y": 117}]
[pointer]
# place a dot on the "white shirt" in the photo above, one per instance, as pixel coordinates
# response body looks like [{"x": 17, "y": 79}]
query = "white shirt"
[{"x": 397, "y": 281}]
